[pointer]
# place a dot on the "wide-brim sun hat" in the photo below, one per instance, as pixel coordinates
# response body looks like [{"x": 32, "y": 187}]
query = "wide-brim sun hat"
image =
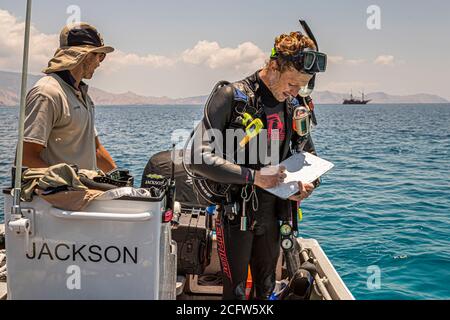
[{"x": 76, "y": 41}]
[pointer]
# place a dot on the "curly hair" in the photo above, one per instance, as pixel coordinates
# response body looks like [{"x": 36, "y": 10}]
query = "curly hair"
[{"x": 290, "y": 44}]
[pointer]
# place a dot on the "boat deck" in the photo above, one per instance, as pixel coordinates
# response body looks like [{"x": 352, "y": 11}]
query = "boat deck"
[{"x": 328, "y": 284}]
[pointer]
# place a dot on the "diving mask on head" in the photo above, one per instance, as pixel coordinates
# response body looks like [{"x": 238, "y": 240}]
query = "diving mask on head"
[{"x": 306, "y": 61}]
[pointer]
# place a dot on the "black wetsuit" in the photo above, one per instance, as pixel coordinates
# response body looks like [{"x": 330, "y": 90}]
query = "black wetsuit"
[{"x": 259, "y": 246}]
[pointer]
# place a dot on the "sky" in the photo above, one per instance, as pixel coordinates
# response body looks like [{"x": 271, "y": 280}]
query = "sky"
[{"x": 182, "y": 48}]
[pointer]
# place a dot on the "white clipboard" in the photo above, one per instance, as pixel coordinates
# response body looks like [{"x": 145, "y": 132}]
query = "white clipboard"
[{"x": 304, "y": 167}]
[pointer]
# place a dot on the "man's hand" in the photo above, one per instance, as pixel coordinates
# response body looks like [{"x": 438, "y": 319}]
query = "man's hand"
[
  {"x": 269, "y": 177},
  {"x": 305, "y": 190}
]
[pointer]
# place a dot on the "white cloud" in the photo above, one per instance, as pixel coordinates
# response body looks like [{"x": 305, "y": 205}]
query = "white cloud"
[
  {"x": 341, "y": 60},
  {"x": 336, "y": 59},
  {"x": 152, "y": 74},
  {"x": 355, "y": 62},
  {"x": 119, "y": 60},
  {"x": 385, "y": 60},
  {"x": 42, "y": 46},
  {"x": 246, "y": 56},
  {"x": 131, "y": 59}
]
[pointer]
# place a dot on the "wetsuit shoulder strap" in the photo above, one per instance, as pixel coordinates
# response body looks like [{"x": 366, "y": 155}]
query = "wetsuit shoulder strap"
[{"x": 245, "y": 95}]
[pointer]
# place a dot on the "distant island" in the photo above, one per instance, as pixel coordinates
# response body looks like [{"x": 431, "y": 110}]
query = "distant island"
[{"x": 10, "y": 88}]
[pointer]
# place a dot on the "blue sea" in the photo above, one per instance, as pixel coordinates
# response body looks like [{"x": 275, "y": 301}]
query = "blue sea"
[{"x": 382, "y": 215}]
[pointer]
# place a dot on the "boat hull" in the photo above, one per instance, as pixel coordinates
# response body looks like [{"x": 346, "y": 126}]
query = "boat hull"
[{"x": 355, "y": 102}]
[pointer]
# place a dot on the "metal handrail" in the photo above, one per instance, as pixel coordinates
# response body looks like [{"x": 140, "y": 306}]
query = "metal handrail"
[{"x": 15, "y": 210}]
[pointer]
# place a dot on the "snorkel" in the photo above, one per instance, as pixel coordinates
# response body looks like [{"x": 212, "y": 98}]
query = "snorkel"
[
  {"x": 307, "y": 90},
  {"x": 311, "y": 62}
]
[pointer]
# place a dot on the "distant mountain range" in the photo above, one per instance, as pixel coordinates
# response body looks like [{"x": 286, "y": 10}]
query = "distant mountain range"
[{"x": 10, "y": 89}]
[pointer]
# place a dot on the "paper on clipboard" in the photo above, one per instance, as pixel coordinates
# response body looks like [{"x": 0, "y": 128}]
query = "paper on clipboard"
[{"x": 304, "y": 167}]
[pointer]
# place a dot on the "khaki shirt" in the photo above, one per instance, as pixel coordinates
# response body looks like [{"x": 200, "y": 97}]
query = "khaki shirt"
[{"x": 57, "y": 117}]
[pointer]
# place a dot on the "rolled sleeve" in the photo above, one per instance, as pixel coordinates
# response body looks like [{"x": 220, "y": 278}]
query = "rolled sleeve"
[{"x": 39, "y": 119}]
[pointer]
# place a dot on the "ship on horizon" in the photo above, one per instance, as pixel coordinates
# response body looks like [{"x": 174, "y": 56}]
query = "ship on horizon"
[{"x": 353, "y": 100}]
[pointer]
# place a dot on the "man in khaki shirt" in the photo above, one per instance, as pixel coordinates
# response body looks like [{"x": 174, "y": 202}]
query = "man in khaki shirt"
[{"x": 59, "y": 124}]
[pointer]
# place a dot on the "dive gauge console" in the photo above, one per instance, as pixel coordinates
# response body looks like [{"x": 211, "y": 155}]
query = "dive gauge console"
[
  {"x": 287, "y": 241},
  {"x": 285, "y": 229}
]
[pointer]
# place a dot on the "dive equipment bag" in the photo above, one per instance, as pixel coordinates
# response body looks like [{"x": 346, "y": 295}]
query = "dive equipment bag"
[
  {"x": 193, "y": 235},
  {"x": 192, "y": 228}
]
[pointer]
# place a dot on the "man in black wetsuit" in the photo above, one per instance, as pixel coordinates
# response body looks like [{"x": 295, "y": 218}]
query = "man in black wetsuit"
[{"x": 271, "y": 94}]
